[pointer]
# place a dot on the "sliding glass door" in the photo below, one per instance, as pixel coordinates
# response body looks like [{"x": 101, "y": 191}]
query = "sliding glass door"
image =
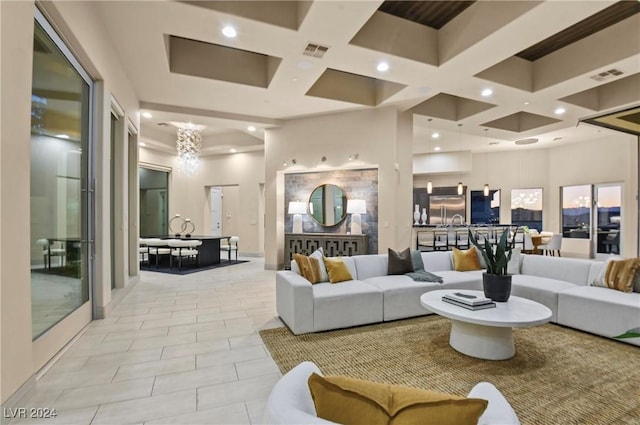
[{"x": 60, "y": 167}]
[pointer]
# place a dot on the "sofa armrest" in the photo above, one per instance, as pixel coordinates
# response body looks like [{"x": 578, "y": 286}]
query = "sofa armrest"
[
  {"x": 499, "y": 411},
  {"x": 290, "y": 400},
  {"x": 294, "y": 301}
]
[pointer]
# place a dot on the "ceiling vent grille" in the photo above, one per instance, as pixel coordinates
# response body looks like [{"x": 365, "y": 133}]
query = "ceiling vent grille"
[
  {"x": 315, "y": 50},
  {"x": 601, "y": 76}
]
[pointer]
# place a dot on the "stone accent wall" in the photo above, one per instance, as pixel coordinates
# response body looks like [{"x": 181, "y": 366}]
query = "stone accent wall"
[{"x": 357, "y": 184}]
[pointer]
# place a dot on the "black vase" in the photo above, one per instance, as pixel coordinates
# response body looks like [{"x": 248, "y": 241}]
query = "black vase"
[{"x": 496, "y": 287}]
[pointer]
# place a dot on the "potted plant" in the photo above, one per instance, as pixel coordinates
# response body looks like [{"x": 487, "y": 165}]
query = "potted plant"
[{"x": 496, "y": 281}]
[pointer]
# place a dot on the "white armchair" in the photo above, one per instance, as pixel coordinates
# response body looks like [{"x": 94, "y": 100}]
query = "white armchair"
[{"x": 290, "y": 401}]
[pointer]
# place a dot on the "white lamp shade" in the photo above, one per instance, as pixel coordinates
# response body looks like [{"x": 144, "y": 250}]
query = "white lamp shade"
[
  {"x": 297, "y": 207},
  {"x": 356, "y": 206}
]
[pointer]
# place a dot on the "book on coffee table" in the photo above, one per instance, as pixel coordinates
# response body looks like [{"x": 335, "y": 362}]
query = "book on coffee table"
[
  {"x": 484, "y": 306},
  {"x": 467, "y": 299}
]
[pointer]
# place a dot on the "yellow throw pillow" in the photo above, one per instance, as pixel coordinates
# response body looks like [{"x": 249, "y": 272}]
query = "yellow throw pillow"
[
  {"x": 309, "y": 267},
  {"x": 621, "y": 274},
  {"x": 352, "y": 401},
  {"x": 467, "y": 260},
  {"x": 337, "y": 269}
]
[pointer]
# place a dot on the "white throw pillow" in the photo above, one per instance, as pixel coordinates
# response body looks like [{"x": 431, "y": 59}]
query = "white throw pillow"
[
  {"x": 513, "y": 266},
  {"x": 318, "y": 254},
  {"x": 599, "y": 278}
]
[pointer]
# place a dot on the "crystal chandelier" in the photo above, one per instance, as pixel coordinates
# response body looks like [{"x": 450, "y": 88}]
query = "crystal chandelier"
[{"x": 188, "y": 144}]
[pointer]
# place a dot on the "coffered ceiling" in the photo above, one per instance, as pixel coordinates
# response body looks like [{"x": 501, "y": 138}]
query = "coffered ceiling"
[{"x": 507, "y": 66}]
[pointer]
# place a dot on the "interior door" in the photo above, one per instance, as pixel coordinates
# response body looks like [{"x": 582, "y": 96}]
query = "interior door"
[
  {"x": 607, "y": 212},
  {"x": 216, "y": 211}
]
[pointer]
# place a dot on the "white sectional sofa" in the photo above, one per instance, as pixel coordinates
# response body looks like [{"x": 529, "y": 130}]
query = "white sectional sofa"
[{"x": 562, "y": 284}]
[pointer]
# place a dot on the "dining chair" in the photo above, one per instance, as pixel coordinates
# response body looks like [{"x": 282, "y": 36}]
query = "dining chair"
[
  {"x": 157, "y": 248},
  {"x": 231, "y": 245},
  {"x": 553, "y": 246},
  {"x": 184, "y": 249},
  {"x": 52, "y": 249}
]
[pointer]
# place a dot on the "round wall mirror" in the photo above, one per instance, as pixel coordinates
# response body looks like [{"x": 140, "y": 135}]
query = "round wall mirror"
[{"x": 328, "y": 204}]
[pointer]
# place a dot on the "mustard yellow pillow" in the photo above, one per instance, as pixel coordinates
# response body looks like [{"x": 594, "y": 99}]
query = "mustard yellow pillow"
[
  {"x": 337, "y": 269},
  {"x": 621, "y": 274},
  {"x": 466, "y": 260},
  {"x": 352, "y": 401},
  {"x": 309, "y": 267}
]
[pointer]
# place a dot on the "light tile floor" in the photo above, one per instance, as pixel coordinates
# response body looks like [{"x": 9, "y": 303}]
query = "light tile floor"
[{"x": 176, "y": 350}]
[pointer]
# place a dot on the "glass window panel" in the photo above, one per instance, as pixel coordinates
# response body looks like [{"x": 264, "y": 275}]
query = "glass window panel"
[
  {"x": 609, "y": 210},
  {"x": 526, "y": 208},
  {"x": 485, "y": 209},
  {"x": 59, "y": 167},
  {"x": 576, "y": 211}
]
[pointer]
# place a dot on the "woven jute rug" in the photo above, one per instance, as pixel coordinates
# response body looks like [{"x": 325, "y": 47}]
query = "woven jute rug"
[{"x": 558, "y": 375}]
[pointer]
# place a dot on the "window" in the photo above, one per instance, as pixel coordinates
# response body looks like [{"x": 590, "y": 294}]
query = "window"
[
  {"x": 576, "y": 211},
  {"x": 526, "y": 208},
  {"x": 485, "y": 209}
]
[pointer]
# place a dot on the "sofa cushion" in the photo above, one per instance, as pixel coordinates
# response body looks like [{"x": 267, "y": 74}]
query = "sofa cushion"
[
  {"x": 571, "y": 270},
  {"x": 602, "y": 311},
  {"x": 346, "y": 304},
  {"x": 437, "y": 261},
  {"x": 621, "y": 274},
  {"x": 370, "y": 265},
  {"x": 309, "y": 267},
  {"x": 465, "y": 260},
  {"x": 337, "y": 270},
  {"x": 348, "y": 401},
  {"x": 401, "y": 295},
  {"x": 540, "y": 289},
  {"x": 399, "y": 262}
]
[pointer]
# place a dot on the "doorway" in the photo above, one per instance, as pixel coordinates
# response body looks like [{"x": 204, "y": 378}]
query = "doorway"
[
  {"x": 215, "y": 208},
  {"x": 154, "y": 202}
]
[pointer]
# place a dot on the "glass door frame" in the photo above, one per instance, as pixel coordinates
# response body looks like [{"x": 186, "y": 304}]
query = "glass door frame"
[
  {"x": 46, "y": 345},
  {"x": 594, "y": 215}
]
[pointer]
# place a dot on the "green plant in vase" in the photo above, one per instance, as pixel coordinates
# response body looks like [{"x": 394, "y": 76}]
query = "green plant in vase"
[{"x": 496, "y": 280}]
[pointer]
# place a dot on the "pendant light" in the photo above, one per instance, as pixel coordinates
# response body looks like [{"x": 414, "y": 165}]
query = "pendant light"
[
  {"x": 486, "y": 163},
  {"x": 460, "y": 187},
  {"x": 429, "y": 183}
]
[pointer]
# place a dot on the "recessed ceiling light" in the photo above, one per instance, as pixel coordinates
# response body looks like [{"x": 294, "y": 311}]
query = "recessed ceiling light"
[
  {"x": 62, "y": 136},
  {"x": 529, "y": 141},
  {"x": 526, "y": 102},
  {"x": 435, "y": 135},
  {"x": 251, "y": 128},
  {"x": 493, "y": 143},
  {"x": 382, "y": 67},
  {"x": 232, "y": 150},
  {"x": 294, "y": 79},
  {"x": 437, "y": 148},
  {"x": 229, "y": 31},
  {"x": 143, "y": 144},
  {"x": 559, "y": 111},
  {"x": 147, "y": 114},
  {"x": 486, "y": 92}
]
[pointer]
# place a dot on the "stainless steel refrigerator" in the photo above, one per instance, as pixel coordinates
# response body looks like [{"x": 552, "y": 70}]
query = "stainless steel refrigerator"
[{"x": 447, "y": 209}]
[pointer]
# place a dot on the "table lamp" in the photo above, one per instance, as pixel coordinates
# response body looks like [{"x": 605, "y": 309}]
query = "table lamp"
[
  {"x": 297, "y": 209},
  {"x": 355, "y": 207}
]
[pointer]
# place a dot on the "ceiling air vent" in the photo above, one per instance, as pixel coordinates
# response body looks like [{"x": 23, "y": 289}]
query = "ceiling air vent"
[
  {"x": 601, "y": 76},
  {"x": 163, "y": 124},
  {"x": 315, "y": 50}
]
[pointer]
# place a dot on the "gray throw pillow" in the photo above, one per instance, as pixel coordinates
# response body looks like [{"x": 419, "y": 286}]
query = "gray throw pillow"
[
  {"x": 416, "y": 260},
  {"x": 399, "y": 262}
]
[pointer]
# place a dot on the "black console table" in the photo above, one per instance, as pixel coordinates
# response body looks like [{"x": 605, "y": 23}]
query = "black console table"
[{"x": 333, "y": 244}]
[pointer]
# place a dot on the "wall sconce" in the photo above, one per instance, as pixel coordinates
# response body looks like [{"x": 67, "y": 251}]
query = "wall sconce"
[
  {"x": 297, "y": 209},
  {"x": 354, "y": 156},
  {"x": 355, "y": 207}
]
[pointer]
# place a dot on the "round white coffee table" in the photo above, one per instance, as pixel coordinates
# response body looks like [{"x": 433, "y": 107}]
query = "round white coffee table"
[{"x": 486, "y": 334}]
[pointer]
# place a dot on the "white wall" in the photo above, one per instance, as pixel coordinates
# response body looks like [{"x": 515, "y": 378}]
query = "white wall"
[
  {"x": 84, "y": 31},
  {"x": 613, "y": 158},
  {"x": 381, "y": 137}
]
